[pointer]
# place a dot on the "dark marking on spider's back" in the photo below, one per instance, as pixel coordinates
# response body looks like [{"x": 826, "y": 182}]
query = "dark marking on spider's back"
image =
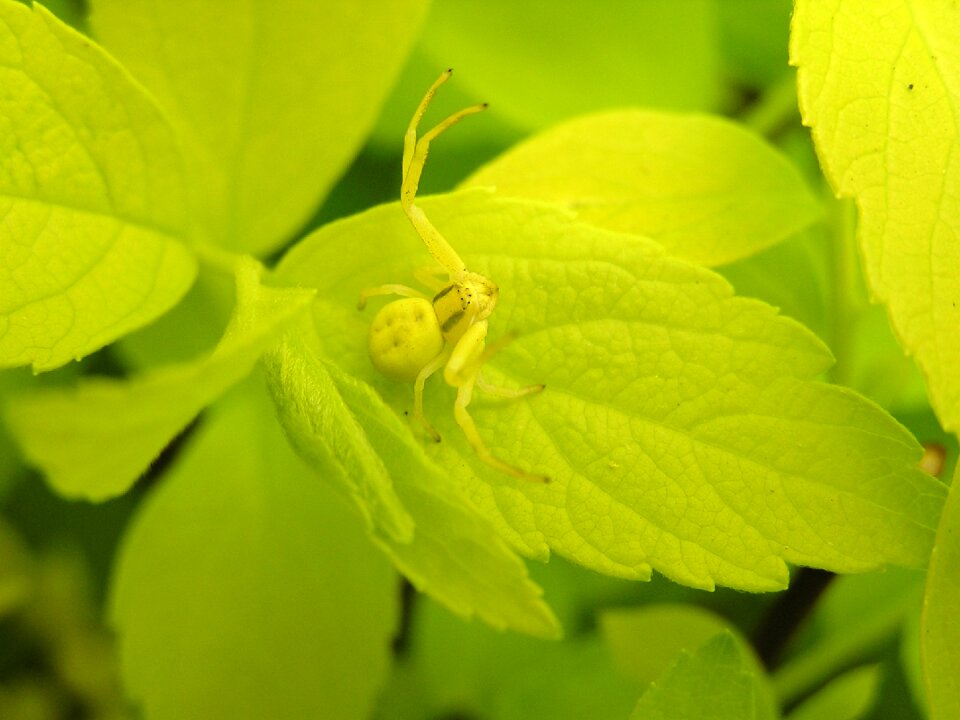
[
  {"x": 443, "y": 292},
  {"x": 451, "y": 322}
]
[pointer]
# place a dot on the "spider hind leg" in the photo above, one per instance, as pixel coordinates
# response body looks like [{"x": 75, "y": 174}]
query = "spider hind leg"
[
  {"x": 466, "y": 423},
  {"x": 462, "y": 372}
]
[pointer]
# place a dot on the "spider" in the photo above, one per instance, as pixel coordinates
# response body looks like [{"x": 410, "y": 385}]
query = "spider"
[{"x": 412, "y": 338}]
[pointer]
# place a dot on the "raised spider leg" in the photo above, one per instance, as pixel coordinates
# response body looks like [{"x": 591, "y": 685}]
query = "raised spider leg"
[
  {"x": 414, "y": 158},
  {"x": 461, "y": 372},
  {"x": 430, "y": 277},
  {"x": 388, "y": 289},
  {"x": 410, "y": 137}
]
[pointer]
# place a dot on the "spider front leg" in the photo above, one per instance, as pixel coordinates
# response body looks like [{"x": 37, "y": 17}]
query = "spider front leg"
[
  {"x": 462, "y": 371},
  {"x": 415, "y": 152},
  {"x": 433, "y": 277}
]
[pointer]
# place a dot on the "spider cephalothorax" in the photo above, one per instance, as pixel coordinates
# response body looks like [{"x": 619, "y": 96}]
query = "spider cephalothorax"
[{"x": 460, "y": 304}]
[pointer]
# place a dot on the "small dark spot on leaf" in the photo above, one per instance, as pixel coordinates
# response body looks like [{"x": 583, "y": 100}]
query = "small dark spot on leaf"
[{"x": 910, "y": 86}]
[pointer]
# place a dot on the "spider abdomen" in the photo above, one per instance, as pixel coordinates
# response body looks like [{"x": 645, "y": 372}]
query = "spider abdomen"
[{"x": 404, "y": 336}]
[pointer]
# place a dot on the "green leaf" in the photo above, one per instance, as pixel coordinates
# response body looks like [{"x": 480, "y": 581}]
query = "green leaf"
[
  {"x": 191, "y": 328},
  {"x": 940, "y": 625},
  {"x": 338, "y": 425},
  {"x": 825, "y": 290},
  {"x": 680, "y": 424},
  {"x": 848, "y": 697},
  {"x": 575, "y": 594},
  {"x": 806, "y": 293},
  {"x": 880, "y": 87},
  {"x": 878, "y": 366},
  {"x": 273, "y": 100},
  {"x": 703, "y": 187},
  {"x": 645, "y": 641},
  {"x": 246, "y": 589},
  {"x": 93, "y": 441},
  {"x": 717, "y": 682},
  {"x": 325, "y": 433},
  {"x": 450, "y": 668},
  {"x": 498, "y": 48},
  {"x": 91, "y": 192}
]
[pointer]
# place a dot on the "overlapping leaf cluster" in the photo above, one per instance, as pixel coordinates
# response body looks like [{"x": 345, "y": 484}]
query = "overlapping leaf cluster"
[{"x": 686, "y": 429}]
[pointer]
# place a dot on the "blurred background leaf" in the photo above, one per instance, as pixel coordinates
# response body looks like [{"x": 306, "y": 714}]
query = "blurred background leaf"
[
  {"x": 245, "y": 588},
  {"x": 271, "y": 100}
]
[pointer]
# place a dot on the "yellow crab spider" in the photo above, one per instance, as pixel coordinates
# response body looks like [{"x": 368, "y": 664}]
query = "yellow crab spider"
[{"x": 412, "y": 338}]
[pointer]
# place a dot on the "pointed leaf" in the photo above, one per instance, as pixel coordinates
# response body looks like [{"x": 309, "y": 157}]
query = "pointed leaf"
[
  {"x": 681, "y": 425},
  {"x": 91, "y": 196},
  {"x": 94, "y": 440},
  {"x": 328, "y": 436},
  {"x": 272, "y": 99},
  {"x": 645, "y": 640},
  {"x": 454, "y": 554},
  {"x": 717, "y": 682},
  {"x": 245, "y": 589},
  {"x": 703, "y": 187},
  {"x": 880, "y": 87}
]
